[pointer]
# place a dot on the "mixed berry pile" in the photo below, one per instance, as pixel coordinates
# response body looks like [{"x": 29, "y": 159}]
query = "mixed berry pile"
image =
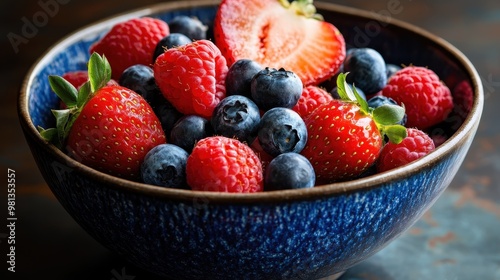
[{"x": 252, "y": 109}]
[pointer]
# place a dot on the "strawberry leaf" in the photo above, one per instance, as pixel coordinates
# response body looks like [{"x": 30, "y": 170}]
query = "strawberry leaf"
[
  {"x": 64, "y": 90},
  {"x": 49, "y": 134},
  {"x": 343, "y": 89},
  {"x": 99, "y": 71},
  {"x": 83, "y": 94},
  {"x": 396, "y": 133},
  {"x": 388, "y": 114},
  {"x": 62, "y": 117},
  {"x": 361, "y": 101}
]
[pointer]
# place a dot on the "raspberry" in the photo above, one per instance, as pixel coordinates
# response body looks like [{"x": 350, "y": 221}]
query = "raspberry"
[
  {"x": 131, "y": 42},
  {"x": 192, "y": 77},
  {"x": 463, "y": 96},
  {"x": 416, "y": 145},
  {"x": 428, "y": 101},
  {"x": 222, "y": 164},
  {"x": 311, "y": 98}
]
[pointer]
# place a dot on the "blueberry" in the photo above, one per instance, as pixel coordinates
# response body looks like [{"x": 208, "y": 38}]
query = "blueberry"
[
  {"x": 289, "y": 171},
  {"x": 391, "y": 69},
  {"x": 192, "y": 27},
  {"x": 172, "y": 40},
  {"x": 236, "y": 116},
  {"x": 367, "y": 70},
  {"x": 380, "y": 100},
  {"x": 165, "y": 165},
  {"x": 282, "y": 130},
  {"x": 140, "y": 78},
  {"x": 188, "y": 130},
  {"x": 239, "y": 77},
  {"x": 166, "y": 113},
  {"x": 272, "y": 88}
]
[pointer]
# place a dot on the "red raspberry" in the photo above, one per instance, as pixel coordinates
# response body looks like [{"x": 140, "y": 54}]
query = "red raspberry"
[
  {"x": 192, "y": 77},
  {"x": 131, "y": 42},
  {"x": 463, "y": 95},
  {"x": 428, "y": 101},
  {"x": 222, "y": 164},
  {"x": 311, "y": 98},
  {"x": 416, "y": 145}
]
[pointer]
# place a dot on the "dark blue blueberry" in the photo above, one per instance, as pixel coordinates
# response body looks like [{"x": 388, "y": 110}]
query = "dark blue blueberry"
[
  {"x": 239, "y": 77},
  {"x": 380, "y": 100},
  {"x": 391, "y": 69},
  {"x": 140, "y": 78},
  {"x": 367, "y": 70},
  {"x": 172, "y": 40},
  {"x": 192, "y": 27},
  {"x": 166, "y": 113},
  {"x": 165, "y": 165},
  {"x": 236, "y": 116},
  {"x": 336, "y": 95},
  {"x": 282, "y": 130},
  {"x": 275, "y": 88},
  {"x": 289, "y": 171},
  {"x": 188, "y": 130}
]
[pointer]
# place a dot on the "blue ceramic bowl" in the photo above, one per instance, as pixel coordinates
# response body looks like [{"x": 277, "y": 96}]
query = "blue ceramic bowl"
[{"x": 293, "y": 234}]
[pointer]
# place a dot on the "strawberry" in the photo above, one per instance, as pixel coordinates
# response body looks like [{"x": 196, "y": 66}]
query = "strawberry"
[
  {"x": 131, "y": 42},
  {"x": 192, "y": 77},
  {"x": 280, "y": 34},
  {"x": 346, "y": 136},
  {"x": 106, "y": 127},
  {"x": 222, "y": 164},
  {"x": 76, "y": 78}
]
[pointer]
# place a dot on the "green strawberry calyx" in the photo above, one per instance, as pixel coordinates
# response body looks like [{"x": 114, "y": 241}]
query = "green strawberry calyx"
[
  {"x": 302, "y": 7},
  {"x": 386, "y": 116},
  {"x": 99, "y": 71}
]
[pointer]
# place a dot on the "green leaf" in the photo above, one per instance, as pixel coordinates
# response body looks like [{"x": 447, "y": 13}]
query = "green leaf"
[
  {"x": 99, "y": 71},
  {"x": 83, "y": 94},
  {"x": 62, "y": 117},
  {"x": 49, "y": 134},
  {"x": 342, "y": 87},
  {"x": 388, "y": 114},
  {"x": 64, "y": 90},
  {"x": 363, "y": 104},
  {"x": 396, "y": 133}
]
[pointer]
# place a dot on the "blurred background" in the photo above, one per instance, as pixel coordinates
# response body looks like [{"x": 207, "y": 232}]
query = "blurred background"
[{"x": 456, "y": 239}]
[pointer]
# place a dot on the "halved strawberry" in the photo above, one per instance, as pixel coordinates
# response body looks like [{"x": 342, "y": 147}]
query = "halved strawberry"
[
  {"x": 346, "y": 136},
  {"x": 280, "y": 34}
]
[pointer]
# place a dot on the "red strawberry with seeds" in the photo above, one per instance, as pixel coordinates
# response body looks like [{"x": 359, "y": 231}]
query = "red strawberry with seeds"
[
  {"x": 427, "y": 100},
  {"x": 192, "y": 77},
  {"x": 109, "y": 128},
  {"x": 346, "y": 136},
  {"x": 416, "y": 145},
  {"x": 222, "y": 164},
  {"x": 280, "y": 34},
  {"x": 131, "y": 42}
]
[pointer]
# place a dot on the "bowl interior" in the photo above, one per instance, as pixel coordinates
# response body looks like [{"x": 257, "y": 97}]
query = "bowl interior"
[{"x": 398, "y": 42}]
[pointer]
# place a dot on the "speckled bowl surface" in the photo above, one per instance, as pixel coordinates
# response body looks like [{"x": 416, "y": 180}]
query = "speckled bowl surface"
[{"x": 295, "y": 234}]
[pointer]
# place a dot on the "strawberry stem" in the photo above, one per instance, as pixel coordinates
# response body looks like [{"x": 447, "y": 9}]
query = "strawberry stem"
[
  {"x": 386, "y": 117},
  {"x": 302, "y": 7}
]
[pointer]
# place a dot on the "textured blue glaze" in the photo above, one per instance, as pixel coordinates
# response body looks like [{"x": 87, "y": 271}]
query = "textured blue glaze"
[{"x": 272, "y": 240}]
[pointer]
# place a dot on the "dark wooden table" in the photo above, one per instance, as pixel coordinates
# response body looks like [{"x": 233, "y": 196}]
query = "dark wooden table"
[{"x": 458, "y": 238}]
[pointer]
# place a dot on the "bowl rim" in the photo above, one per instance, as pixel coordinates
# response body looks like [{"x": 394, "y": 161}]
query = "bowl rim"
[{"x": 467, "y": 128}]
